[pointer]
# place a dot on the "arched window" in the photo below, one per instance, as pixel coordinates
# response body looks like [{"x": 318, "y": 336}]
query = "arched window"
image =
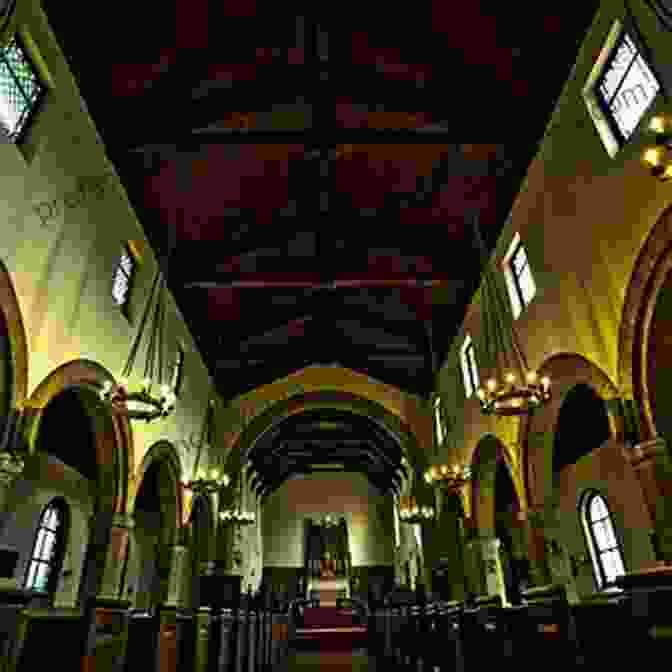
[
  {"x": 601, "y": 538},
  {"x": 49, "y": 548}
]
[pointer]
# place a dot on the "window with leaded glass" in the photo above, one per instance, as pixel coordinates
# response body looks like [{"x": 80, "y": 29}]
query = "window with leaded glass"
[
  {"x": 21, "y": 90},
  {"x": 48, "y": 550},
  {"x": 601, "y": 539},
  {"x": 469, "y": 368},
  {"x": 625, "y": 88},
  {"x": 123, "y": 276}
]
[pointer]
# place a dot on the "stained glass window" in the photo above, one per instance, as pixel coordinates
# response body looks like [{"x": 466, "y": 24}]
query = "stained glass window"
[
  {"x": 48, "y": 549},
  {"x": 20, "y": 90},
  {"x": 601, "y": 537},
  {"x": 178, "y": 367},
  {"x": 122, "y": 277},
  {"x": 626, "y": 87}
]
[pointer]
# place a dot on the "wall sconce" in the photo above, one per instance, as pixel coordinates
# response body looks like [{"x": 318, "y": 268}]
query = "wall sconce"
[{"x": 658, "y": 157}]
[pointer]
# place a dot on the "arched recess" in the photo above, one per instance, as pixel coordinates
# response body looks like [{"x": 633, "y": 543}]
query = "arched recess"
[
  {"x": 538, "y": 435},
  {"x": 162, "y": 462},
  {"x": 488, "y": 460},
  {"x": 73, "y": 385},
  {"x": 13, "y": 349},
  {"x": 346, "y": 401},
  {"x": 157, "y": 513},
  {"x": 641, "y": 344}
]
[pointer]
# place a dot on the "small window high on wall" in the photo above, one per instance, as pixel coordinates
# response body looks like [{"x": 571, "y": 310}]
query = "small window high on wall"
[
  {"x": 439, "y": 427},
  {"x": 603, "y": 544},
  {"x": 123, "y": 278},
  {"x": 48, "y": 549},
  {"x": 21, "y": 90},
  {"x": 519, "y": 280},
  {"x": 620, "y": 89},
  {"x": 469, "y": 368}
]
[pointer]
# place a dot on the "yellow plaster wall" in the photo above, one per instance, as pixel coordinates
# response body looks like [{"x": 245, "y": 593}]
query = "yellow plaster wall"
[
  {"x": 583, "y": 218},
  {"x": 62, "y": 270}
]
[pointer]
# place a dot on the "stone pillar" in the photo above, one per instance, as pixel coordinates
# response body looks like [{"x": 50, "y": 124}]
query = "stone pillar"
[
  {"x": 653, "y": 466},
  {"x": 115, "y": 557},
  {"x": 177, "y": 594},
  {"x": 557, "y": 555},
  {"x": 449, "y": 543},
  {"x": 533, "y": 532},
  {"x": 226, "y": 542},
  {"x": 492, "y": 565}
]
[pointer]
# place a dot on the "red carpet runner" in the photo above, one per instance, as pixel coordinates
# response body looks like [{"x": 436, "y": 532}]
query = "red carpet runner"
[{"x": 330, "y": 629}]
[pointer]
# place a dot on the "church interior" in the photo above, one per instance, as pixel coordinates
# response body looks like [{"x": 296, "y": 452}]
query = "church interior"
[{"x": 335, "y": 335}]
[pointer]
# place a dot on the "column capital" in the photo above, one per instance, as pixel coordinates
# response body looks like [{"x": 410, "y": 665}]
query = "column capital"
[
  {"x": 11, "y": 467},
  {"x": 645, "y": 451},
  {"x": 124, "y": 520}
]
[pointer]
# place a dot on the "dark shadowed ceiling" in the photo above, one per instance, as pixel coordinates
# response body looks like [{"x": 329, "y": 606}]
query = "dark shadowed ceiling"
[{"x": 316, "y": 163}]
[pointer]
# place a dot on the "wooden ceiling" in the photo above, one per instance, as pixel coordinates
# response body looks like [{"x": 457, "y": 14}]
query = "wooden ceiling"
[{"x": 315, "y": 165}]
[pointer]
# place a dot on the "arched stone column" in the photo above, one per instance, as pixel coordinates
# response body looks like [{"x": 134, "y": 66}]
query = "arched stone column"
[
  {"x": 82, "y": 380},
  {"x": 541, "y": 520},
  {"x": 159, "y": 535},
  {"x": 643, "y": 339}
]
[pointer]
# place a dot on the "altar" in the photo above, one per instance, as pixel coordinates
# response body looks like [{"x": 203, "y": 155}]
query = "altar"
[{"x": 327, "y": 560}]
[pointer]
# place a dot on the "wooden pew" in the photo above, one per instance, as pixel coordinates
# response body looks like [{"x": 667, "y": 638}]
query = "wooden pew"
[
  {"x": 141, "y": 651},
  {"x": 603, "y": 624},
  {"x": 49, "y": 637},
  {"x": 483, "y": 633},
  {"x": 542, "y": 629},
  {"x": 649, "y": 613}
]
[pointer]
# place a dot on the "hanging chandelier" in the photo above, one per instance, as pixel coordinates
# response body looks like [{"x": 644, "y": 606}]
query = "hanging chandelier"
[
  {"x": 515, "y": 389},
  {"x": 451, "y": 477},
  {"x": 414, "y": 514},
  {"x": 212, "y": 481},
  {"x": 237, "y": 517},
  {"x": 153, "y": 398}
]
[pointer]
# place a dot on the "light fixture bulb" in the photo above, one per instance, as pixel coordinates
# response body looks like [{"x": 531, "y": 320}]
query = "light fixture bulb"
[
  {"x": 510, "y": 378},
  {"x": 657, "y": 124},
  {"x": 492, "y": 384},
  {"x": 213, "y": 474},
  {"x": 653, "y": 156},
  {"x": 480, "y": 393},
  {"x": 531, "y": 377},
  {"x": 444, "y": 469},
  {"x": 546, "y": 382},
  {"x": 428, "y": 478}
]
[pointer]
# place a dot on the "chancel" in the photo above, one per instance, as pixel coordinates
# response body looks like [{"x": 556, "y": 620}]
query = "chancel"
[{"x": 335, "y": 336}]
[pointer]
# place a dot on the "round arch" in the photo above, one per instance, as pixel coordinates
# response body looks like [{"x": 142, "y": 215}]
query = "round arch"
[
  {"x": 13, "y": 346},
  {"x": 111, "y": 432},
  {"x": 647, "y": 281},
  {"x": 163, "y": 456},
  {"x": 337, "y": 400},
  {"x": 565, "y": 370}
]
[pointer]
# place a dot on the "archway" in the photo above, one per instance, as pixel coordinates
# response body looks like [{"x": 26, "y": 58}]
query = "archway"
[
  {"x": 13, "y": 349},
  {"x": 496, "y": 507},
  {"x": 157, "y": 514},
  {"x": 539, "y": 434},
  {"x": 640, "y": 347}
]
